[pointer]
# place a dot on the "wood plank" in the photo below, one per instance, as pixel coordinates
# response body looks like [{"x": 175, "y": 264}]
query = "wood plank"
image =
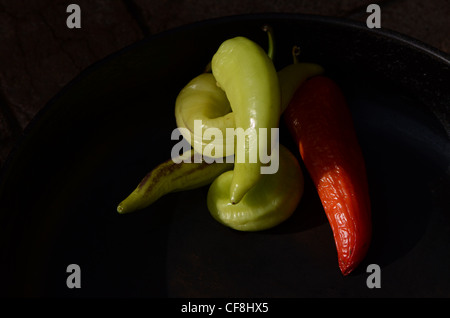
[{"x": 40, "y": 54}]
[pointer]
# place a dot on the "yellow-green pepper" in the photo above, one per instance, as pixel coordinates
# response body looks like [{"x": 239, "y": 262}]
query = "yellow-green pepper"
[
  {"x": 293, "y": 75},
  {"x": 271, "y": 201},
  {"x": 248, "y": 77},
  {"x": 202, "y": 100}
]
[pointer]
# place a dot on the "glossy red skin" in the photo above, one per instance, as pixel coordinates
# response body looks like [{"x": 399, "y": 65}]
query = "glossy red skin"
[{"x": 320, "y": 121}]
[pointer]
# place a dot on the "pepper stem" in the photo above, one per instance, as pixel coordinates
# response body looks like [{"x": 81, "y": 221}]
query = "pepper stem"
[
  {"x": 270, "y": 51},
  {"x": 295, "y": 53},
  {"x": 207, "y": 68}
]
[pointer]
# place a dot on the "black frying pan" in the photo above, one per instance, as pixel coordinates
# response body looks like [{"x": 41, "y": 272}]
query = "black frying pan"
[{"x": 101, "y": 134}]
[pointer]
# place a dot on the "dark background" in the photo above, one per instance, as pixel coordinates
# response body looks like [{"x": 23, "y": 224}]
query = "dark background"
[{"x": 39, "y": 54}]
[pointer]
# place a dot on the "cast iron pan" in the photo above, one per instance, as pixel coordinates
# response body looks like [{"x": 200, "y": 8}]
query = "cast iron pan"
[{"x": 99, "y": 136}]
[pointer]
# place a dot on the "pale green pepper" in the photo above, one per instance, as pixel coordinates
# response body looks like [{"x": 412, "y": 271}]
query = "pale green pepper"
[
  {"x": 271, "y": 201},
  {"x": 201, "y": 100},
  {"x": 294, "y": 75},
  {"x": 248, "y": 77}
]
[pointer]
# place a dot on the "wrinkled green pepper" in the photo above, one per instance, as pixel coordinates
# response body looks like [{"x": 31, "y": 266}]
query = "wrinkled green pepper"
[{"x": 177, "y": 174}]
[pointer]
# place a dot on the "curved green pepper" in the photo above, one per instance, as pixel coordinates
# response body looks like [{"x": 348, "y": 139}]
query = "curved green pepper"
[
  {"x": 248, "y": 77},
  {"x": 202, "y": 100}
]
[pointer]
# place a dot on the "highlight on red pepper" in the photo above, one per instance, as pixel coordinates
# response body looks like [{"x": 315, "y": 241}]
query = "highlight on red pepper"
[{"x": 320, "y": 121}]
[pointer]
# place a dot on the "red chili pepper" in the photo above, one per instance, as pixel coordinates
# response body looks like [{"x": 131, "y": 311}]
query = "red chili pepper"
[{"x": 320, "y": 121}]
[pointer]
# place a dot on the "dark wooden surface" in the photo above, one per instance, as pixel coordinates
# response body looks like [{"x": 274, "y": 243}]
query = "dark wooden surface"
[{"x": 39, "y": 54}]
